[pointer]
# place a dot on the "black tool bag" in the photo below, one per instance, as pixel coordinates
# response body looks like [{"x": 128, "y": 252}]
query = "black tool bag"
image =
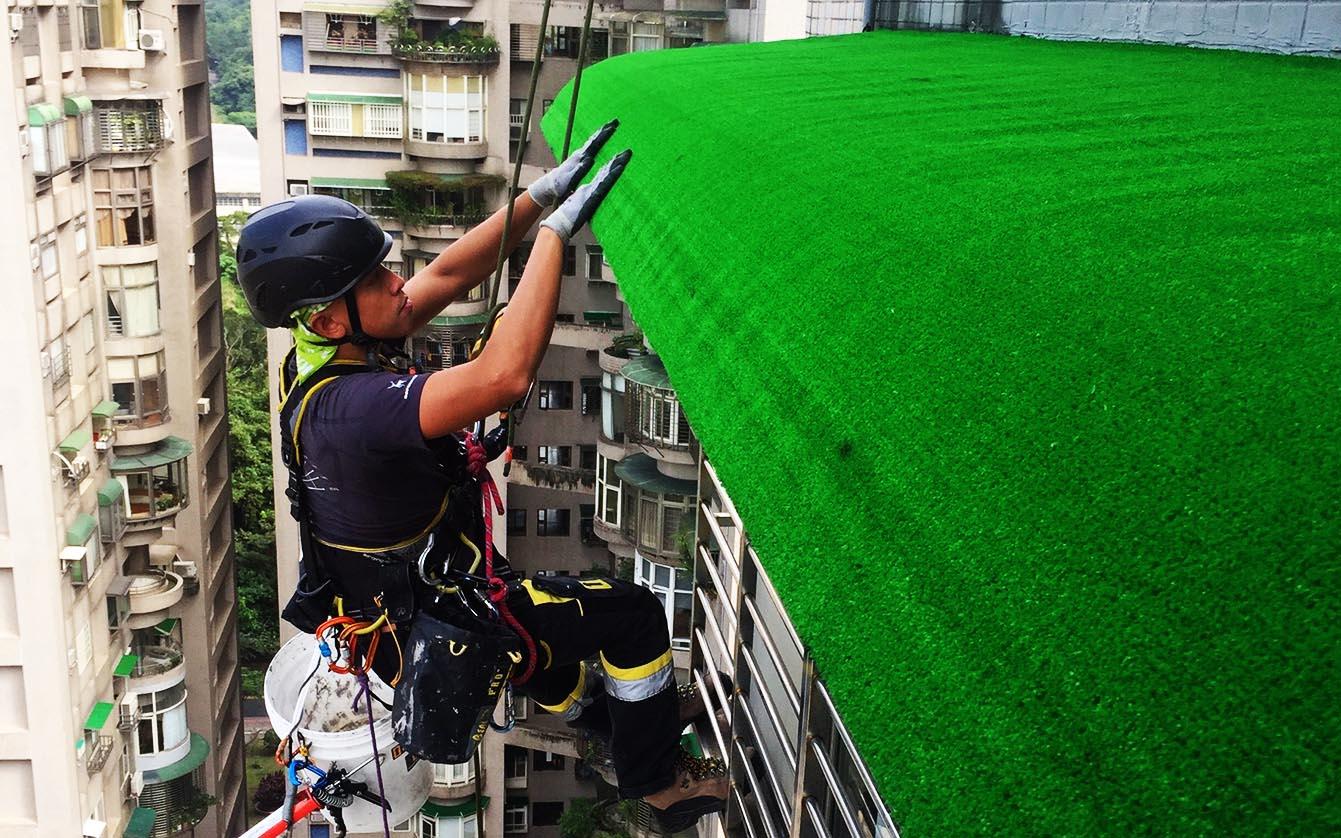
[{"x": 456, "y": 666}]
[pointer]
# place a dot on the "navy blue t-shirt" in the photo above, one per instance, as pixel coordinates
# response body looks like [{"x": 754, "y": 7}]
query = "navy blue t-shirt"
[{"x": 371, "y": 480}]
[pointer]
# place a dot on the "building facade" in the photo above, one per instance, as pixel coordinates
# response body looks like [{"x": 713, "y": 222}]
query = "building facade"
[{"x": 119, "y": 707}]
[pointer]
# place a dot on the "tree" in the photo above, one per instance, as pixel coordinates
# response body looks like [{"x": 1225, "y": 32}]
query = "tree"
[{"x": 269, "y": 794}]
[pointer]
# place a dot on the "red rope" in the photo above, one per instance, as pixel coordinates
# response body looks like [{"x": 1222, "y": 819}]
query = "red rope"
[{"x": 477, "y": 462}]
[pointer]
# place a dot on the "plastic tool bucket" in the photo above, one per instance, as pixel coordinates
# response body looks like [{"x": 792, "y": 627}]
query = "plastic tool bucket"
[{"x": 338, "y": 734}]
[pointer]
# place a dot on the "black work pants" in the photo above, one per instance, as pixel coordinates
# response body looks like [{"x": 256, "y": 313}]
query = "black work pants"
[{"x": 624, "y": 625}]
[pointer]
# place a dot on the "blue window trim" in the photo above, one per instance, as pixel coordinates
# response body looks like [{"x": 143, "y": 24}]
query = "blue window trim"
[{"x": 375, "y": 72}]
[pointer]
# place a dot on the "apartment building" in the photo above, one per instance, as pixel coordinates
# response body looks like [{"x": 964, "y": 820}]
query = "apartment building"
[{"x": 119, "y": 708}]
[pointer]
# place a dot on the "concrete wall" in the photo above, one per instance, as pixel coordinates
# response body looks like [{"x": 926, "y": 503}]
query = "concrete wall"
[{"x": 1311, "y": 27}]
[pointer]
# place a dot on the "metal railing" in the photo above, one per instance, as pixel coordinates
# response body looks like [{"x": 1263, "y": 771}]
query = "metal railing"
[
  {"x": 97, "y": 757},
  {"x": 351, "y": 44},
  {"x": 794, "y": 769}
]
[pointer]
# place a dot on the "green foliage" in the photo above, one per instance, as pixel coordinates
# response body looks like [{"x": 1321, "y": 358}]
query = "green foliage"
[
  {"x": 249, "y": 445},
  {"x": 228, "y": 42},
  {"x": 269, "y": 794},
  {"x": 585, "y": 817},
  {"x": 410, "y": 38}
]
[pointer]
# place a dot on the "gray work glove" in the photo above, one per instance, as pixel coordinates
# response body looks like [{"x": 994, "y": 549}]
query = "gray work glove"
[
  {"x": 573, "y": 213},
  {"x": 560, "y": 181}
]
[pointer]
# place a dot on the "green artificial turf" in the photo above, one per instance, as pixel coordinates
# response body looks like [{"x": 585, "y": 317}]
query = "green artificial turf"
[{"x": 1022, "y": 362}]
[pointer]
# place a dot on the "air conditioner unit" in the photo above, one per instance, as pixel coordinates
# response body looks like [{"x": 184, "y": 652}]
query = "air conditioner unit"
[
  {"x": 129, "y": 714},
  {"x": 295, "y": 189},
  {"x": 185, "y": 569},
  {"x": 74, "y": 559},
  {"x": 203, "y": 406},
  {"x": 137, "y": 783},
  {"x": 15, "y": 25},
  {"x": 102, "y": 443},
  {"x": 151, "y": 40}
]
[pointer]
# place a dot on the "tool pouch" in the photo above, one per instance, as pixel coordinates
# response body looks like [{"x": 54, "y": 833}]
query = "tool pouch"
[{"x": 456, "y": 666}]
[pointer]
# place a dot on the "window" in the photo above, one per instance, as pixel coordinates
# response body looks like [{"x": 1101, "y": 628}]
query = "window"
[
  {"x": 330, "y": 119},
  {"x": 453, "y": 775},
  {"x": 375, "y": 202},
  {"x": 351, "y": 33},
  {"x": 554, "y": 455},
  {"x": 162, "y": 720},
  {"x": 111, "y": 511},
  {"x": 608, "y": 486},
  {"x": 661, "y": 519},
  {"x": 519, "y": 452},
  {"x": 570, "y": 260},
  {"x": 106, "y": 24},
  {"x": 291, "y": 53},
  {"x": 546, "y": 814},
  {"x": 586, "y": 456},
  {"x": 64, "y": 32},
  {"x": 295, "y": 136},
  {"x": 514, "y": 761},
  {"x": 48, "y": 256},
  {"x": 514, "y": 818},
  {"x": 516, "y": 521},
  {"x": 129, "y": 125},
  {"x": 612, "y": 406},
  {"x": 132, "y": 299},
  {"x": 661, "y": 420},
  {"x": 446, "y": 826},
  {"x": 46, "y": 139},
  {"x": 118, "y": 609},
  {"x": 428, "y": 826},
  {"x": 446, "y": 109},
  {"x": 595, "y": 262},
  {"x": 674, "y": 586},
  {"x": 81, "y": 236},
  {"x": 139, "y": 388},
  {"x": 555, "y": 395},
  {"x": 552, "y": 522},
  {"x": 80, "y": 136},
  {"x": 546, "y": 761},
  {"x": 60, "y": 361},
  {"x": 382, "y": 121},
  {"x": 634, "y": 37},
  {"x": 591, "y": 396},
  {"x": 585, "y": 529},
  {"x": 564, "y": 41},
  {"x": 123, "y": 205}
]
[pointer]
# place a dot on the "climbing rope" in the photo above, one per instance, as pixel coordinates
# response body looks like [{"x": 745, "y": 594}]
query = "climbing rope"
[
  {"x": 365, "y": 692},
  {"x": 478, "y": 466}
]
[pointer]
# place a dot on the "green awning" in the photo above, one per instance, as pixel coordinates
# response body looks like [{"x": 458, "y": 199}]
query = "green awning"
[
  {"x": 75, "y": 442},
  {"x": 354, "y": 99},
  {"x": 42, "y": 113},
  {"x": 110, "y": 492},
  {"x": 200, "y": 749},
  {"x": 81, "y": 530},
  {"x": 648, "y": 371},
  {"x": 344, "y": 8},
  {"x": 349, "y": 182},
  {"x": 165, "y": 628},
  {"x": 465, "y": 807},
  {"x": 75, "y": 105},
  {"x": 171, "y": 450},
  {"x": 106, "y": 409},
  {"x": 641, "y": 471},
  {"x": 97, "y": 717},
  {"x": 463, "y": 320},
  {"x": 141, "y": 823},
  {"x": 126, "y": 665}
]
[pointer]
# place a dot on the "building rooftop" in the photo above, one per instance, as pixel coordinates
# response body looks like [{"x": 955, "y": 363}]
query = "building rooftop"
[
  {"x": 1019, "y": 360},
  {"x": 237, "y": 160}
]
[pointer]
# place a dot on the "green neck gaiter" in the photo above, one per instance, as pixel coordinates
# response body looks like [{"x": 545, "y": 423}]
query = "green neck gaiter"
[{"x": 313, "y": 350}]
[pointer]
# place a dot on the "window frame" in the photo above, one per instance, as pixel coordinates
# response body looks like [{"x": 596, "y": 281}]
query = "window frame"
[
  {"x": 552, "y": 390},
  {"x": 109, "y": 198},
  {"x": 549, "y": 521},
  {"x": 418, "y": 89},
  {"x": 645, "y": 574},
  {"x": 135, "y": 414}
]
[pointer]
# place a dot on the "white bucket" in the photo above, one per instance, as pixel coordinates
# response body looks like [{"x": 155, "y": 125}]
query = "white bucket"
[{"x": 337, "y": 734}]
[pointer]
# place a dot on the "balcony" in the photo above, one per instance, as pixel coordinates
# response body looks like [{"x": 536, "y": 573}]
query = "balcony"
[
  {"x": 430, "y": 53},
  {"x": 794, "y": 768},
  {"x": 98, "y": 754},
  {"x": 156, "y": 658},
  {"x": 151, "y": 594},
  {"x": 134, "y": 125},
  {"x": 155, "y": 478}
]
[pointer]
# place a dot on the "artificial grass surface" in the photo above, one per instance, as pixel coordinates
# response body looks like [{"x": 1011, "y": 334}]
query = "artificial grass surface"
[{"x": 1022, "y": 362}]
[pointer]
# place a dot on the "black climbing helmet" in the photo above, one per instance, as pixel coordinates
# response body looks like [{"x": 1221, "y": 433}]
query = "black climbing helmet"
[{"x": 303, "y": 251}]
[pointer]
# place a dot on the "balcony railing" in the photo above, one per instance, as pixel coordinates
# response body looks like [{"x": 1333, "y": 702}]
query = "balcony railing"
[
  {"x": 157, "y": 659},
  {"x": 97, "y": 757},
  {"x": 366, "y": 45},
  {"x": 795, "y": 769},
  {"x": 439, "y": 54}
]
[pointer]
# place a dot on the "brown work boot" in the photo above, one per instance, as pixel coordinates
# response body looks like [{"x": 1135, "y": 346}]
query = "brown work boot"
[
  {"x": 700, "y": 788},
  {"x": 692, "y": 704}
]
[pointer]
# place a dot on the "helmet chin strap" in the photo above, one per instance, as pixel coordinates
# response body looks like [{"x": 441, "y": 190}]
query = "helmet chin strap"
[{"x": 379, "y": 352}]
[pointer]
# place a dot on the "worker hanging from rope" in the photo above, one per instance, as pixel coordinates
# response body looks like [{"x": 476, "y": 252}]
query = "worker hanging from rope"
[{"x": 395, "y": 506}]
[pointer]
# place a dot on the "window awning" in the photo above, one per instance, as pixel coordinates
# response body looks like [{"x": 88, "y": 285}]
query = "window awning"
[
  {"x": 75, "y": 105},
  {"x": 648, "y": 371},
  {"x": 81, "y": 530},
  {"x": 141, "y": 823},
  {"x": 76, "y": 441},
  {"x": 344, "y": 8},
  {"x": 349, "y": 182},
  {"x": 356, "y": 98},
  {"x": 165, "y": 628},
  {"x": 126, "y": 665},
  {"x": 465, "y": 807},
  {"x": 43, "y": 113},
  {"x": 120, "y": 586},
  {"x": 171, "y": 450},
  {"x": 106, "y": 409},
  {"x": 200, "y": 748},
  {"x": 110, "y": 492},
  {"x": 462, "y": 320},
  {"x": 641, "y": 470},
  {"x": 97, "y": 717}
]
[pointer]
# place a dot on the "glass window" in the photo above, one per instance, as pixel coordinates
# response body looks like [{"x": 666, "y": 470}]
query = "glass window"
[
  {"x": 554, "y": 455},
  {"x": 552, "y": 522},
  {"x": 555, "y": 395},
  {"x": 446, "y": 109},
  {"x": 591, "y": 396},
  {"x": 453, "y": 775},
  {"x": 516, "y": 521},
  {"x": 607, "y": 491},
  {"x": 123, "y": 205},
  {"x": 587, "y": 456},
  {"x": 132, "y": 299},
  {"x": 139, "y": 388},
  {"x": 546, "y": 813},
  {"x": 570, "y": 260},
  {"x": 155, "y": 492},
  {"x": 612, "y": 406},
  {"x": 162, "y": 720},
  {"x": 674, "y": 586},
  {"x": 595, "y": 262}
]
